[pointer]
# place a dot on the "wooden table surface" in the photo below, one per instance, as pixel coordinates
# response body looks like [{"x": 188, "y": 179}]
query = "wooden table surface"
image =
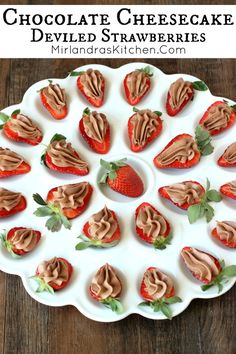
[{"x": 27, "y": 327}]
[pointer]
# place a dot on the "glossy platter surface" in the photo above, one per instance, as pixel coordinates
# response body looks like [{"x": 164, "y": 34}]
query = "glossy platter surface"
[{"x": 131, "y": 257}]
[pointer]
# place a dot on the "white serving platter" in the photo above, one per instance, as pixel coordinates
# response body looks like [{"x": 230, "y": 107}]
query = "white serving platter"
[{"x": 130, "y": 257}]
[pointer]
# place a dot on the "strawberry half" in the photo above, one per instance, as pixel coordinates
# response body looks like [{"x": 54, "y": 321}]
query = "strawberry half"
[
  {"x": 66, "y": 155},
  {"x": 62, "y": 269},
  {"x": 191, "y": 196},
  {"x": 53, "y": 97},
  {"x": 228, "y": 228},
  {"x": 19, "y": 166},
  {"x": 106, "y": 288},
  {"x": 144, "y": 126},
  {"x": 91, "y": 84},
  {"x": 218, "y": 111},
  {"x": 60, "y": 216},
  {"x": 229, "y": 189},
  {"x": 97, "y": 126},
  {"x": 158, "y": 302},
  {"x": 160, "y": 241},
  {"x": 180, "y": 93},
  {"x": 7, "y": 195},
  {"x": 136, "y": 84},
  {"x": 184, "y": 151},
  {"x": 89, "y": 239},
  {"x": 168, "y": 153},
  {"x": 122, "y": 178},
  {"x": 27, "y": 125},
  {"x": 11, "y": 244},
  {"x": 228, "y": 158},
  {"x": 219, "y": 273}
]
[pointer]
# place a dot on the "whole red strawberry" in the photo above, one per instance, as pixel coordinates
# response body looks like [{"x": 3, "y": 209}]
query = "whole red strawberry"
[
  {"x": 122, "y": 178},
  {"x": 136, "y": 84}
]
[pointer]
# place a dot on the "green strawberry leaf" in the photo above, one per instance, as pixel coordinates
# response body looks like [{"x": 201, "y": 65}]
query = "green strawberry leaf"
[
  {"x": 76, "y": 73},
  {"x": 233, "y": 107},
  {"x": 14, "y": 113},
  {"x": 145, "y": 303},
  {"x": 110, "y": 168},
  {"x": 43, "y": 211},
  {"x": 113, "y": 304},
  {"x": 203, "y": 139},
  {"x": 165, "y": 309},
  {"x": 173, "y": 300},
  {"x": 54, "y": 223},
  {"x": 158, "y": 113},
  {"x": 103, "y": 179},
  {"x": 206, "y": 286},
  {"x": 229, "y": 271},
  {"x": 1, "y": 126},
  {"x": 147, "y": 70},
  {"x": 200, "y": 86},
  {"x": 213, "y": 196},
  {"x": 106, "y": 165},
  {"x": 208, "y": 184},
  {"x": 38, "y": 199},
  {"x": 209, "y": 212},
  {"x": 135, "y": 109},
  {"x": 86, "y": 111},
  {"x": 119, "y": 163},
  {"x": 83, "y": 245},
  {"x": 4, "y": 118},
  {"x": 42, "y": 286},
  {"x": 194, "y": 212},
  {"x": 66, "y": 223},
  {"x": 57, "y": 137}
]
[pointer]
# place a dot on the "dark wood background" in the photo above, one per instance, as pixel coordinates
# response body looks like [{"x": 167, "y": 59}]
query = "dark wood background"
[{"x": 27, "y": 327}]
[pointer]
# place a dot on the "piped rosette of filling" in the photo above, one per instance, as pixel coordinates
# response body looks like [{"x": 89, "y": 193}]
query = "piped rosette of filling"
[
  {"x": 106, "y": 288},
  {"x": 219, "y": 117},
  {"x": 228, "y": 158},
  {"x": 95, "y": 129},
  {"x": 229, "y": 189},
  {"x": 157, "y": 288},
  {"x": 12, "y": 164},
  {"x": 136, "y": 84},
  {"x": 206, "y": 268},
  {"x": 91, "y": 83},
  {"x": 21, "y": 128},
  {"x": 53, "y": 275},
  {"x": 101, "y": 230},
  {"x": 225, "y": 232},
  {"x": 63, "y": 203},
  {"x": 144, "y": 126},
  {"x": 11, "y": 202},
  {"x": 180, "y": 152},
  {"x": 192, "y": 196},
  {"x": 53, "y": 98},
  {"x": 19, "y": 241},
  {"x": 152, "y": 227},
  {"x": 180, "y": 93},
  {"x": 60, "y": 156}
]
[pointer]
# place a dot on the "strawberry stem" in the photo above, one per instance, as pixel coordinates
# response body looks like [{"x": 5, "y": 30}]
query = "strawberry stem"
[
  {"x": 203, "y": 140},
  {"x": 146, "y": 70},
  {"x": 42, "y": 285},
  {"x": 86, "y": 111},
  {"x": 162, "y": 242},
  {"x": 200, "y": 86}
]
